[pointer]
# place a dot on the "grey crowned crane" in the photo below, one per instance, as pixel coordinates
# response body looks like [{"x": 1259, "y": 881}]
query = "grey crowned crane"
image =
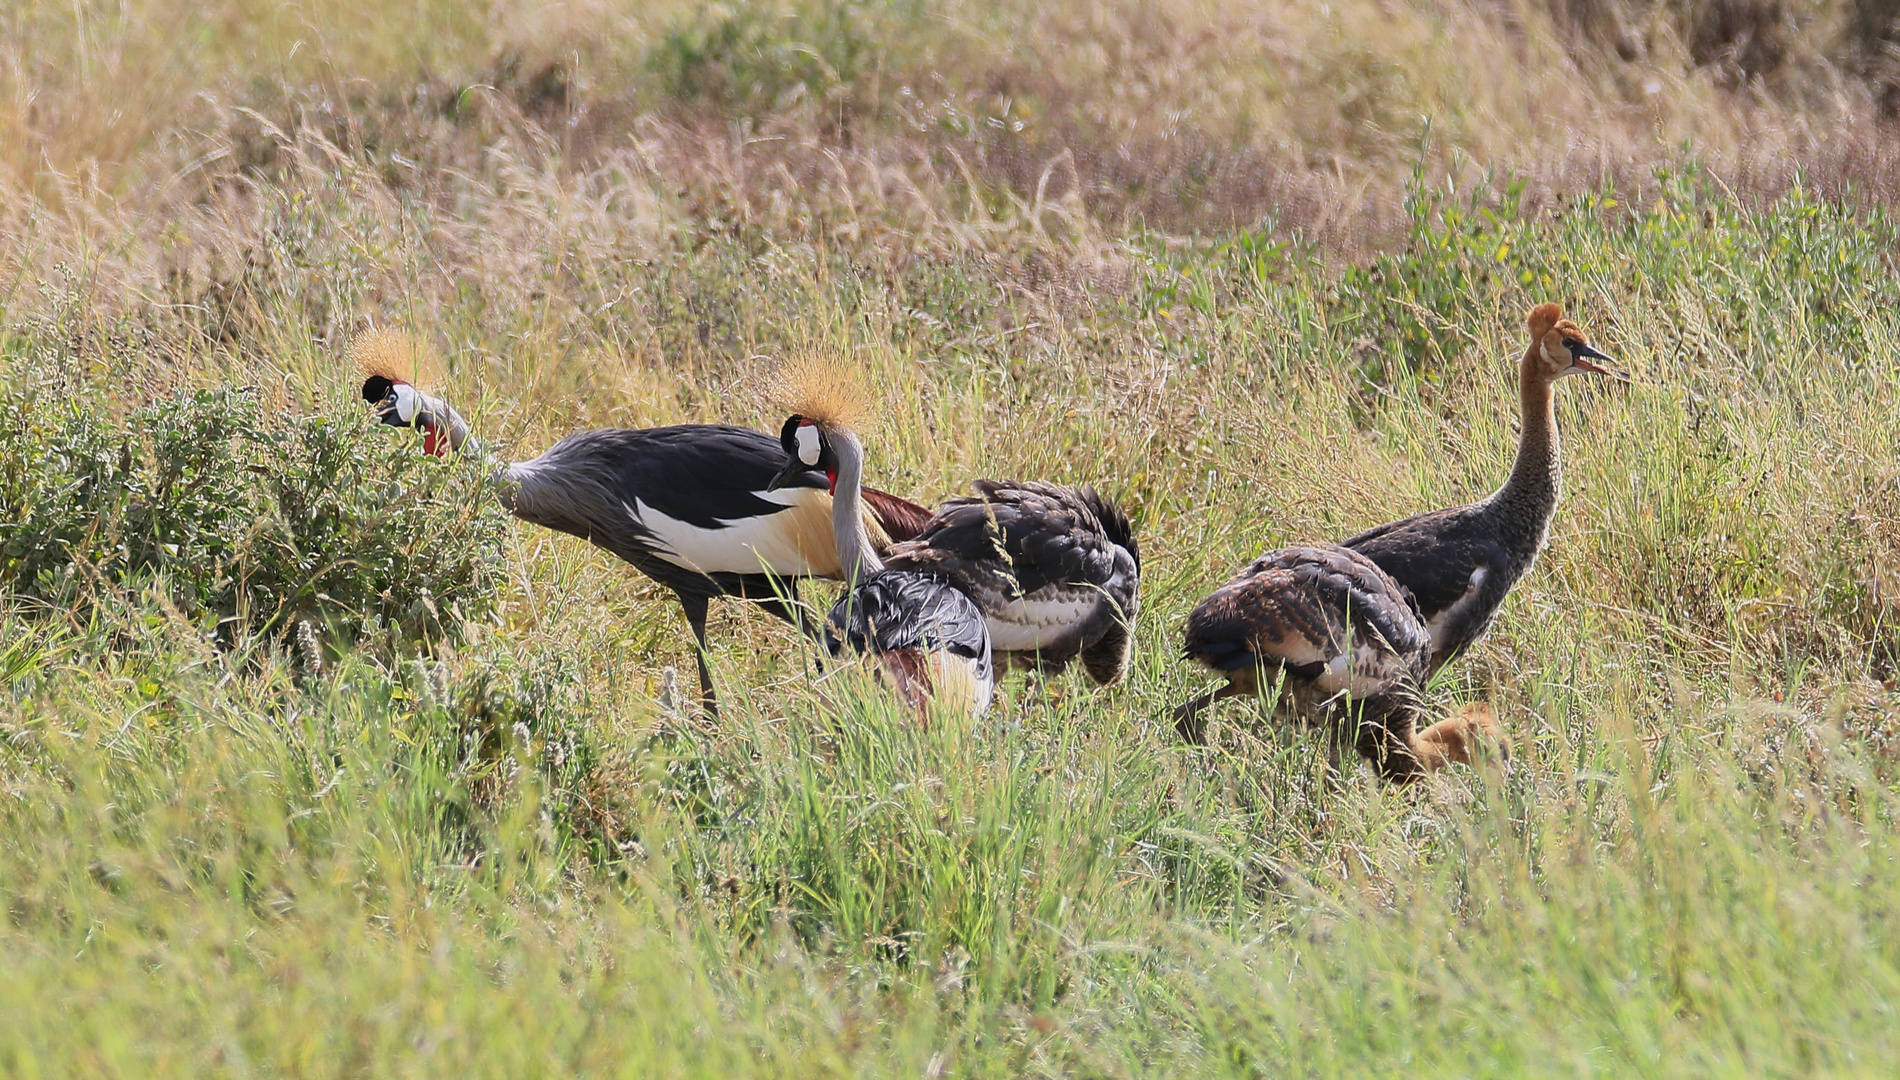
[
  {"x": 928, "y": 639},
  {"x": 1343, "y": 645},
  {"x": 705, "y": 510},
  {"x": 1460, "y": 563},
  {"x": 1054, "y": 569}
]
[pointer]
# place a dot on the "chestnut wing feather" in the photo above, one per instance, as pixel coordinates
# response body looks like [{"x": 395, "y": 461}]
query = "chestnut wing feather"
[
  {"x": 1301, "y": 608},
  {"x": 1019, "y": 536},
  {"x": 900, "y": 518}
]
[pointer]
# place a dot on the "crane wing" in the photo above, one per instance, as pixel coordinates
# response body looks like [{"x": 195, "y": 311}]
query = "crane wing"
[{"x": 1324, "y": 613}]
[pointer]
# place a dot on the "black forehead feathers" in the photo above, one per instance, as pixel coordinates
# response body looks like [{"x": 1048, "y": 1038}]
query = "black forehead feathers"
[
  {"x": 788, "y": 435},
  {"x": 376, "y": 388}
]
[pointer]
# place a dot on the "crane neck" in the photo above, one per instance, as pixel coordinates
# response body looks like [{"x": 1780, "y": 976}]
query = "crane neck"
[
  {"x": 456, "y": 430},
  {"x": 1531, "y": 491},
  {"x": 856, "y": 558},
  {"x": 447, "y": 423}
]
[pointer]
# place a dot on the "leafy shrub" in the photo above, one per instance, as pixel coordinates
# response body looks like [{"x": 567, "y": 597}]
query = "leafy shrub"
[
  {"x": 750, "y": 59},
  {"x": 1464, "y": 259},
  {"x": 246, "y": 520}
]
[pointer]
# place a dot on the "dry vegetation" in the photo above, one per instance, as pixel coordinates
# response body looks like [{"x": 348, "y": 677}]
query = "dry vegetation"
[{"x": 311, "y": 763}]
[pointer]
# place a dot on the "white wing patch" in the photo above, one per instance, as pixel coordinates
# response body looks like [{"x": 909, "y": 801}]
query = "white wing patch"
[
  {"x": 1368, "y": 671},
  {"x": 740, "y": 546}
]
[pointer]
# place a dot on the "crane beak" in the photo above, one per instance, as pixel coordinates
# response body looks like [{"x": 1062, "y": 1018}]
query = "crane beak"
[
  {"x": 380, "y": 393},
  {"x": 1581, "y": 355},
  {"x": 793, "y": 469}
]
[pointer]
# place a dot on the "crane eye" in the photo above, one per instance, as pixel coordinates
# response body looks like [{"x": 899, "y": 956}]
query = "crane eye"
[{"x": 1572, "y": 344}]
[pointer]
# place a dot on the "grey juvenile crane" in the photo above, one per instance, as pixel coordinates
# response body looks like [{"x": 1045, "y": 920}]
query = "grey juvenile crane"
[
  {"x": 927, "y": 638},
  {"x": 1054, "y": 569},
  {"x": 703, "y": 509}
]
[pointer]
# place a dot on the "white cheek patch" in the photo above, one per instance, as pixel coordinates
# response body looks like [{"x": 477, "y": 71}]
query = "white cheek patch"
[
  {"x": 408, "y": 402},
  {"x": 1544, "y": 347},
  {"x": 807, "y": 437}
]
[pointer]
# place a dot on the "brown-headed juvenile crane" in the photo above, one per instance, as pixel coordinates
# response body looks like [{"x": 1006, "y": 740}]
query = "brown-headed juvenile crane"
[
  {"x": 927, "y": 638},
  {"x": 1412, "y": 595},
  {"x": 1343, "y": 645},
  {"x": 1054, "y": 569},
  {"x": 704, "y": 509},
  {"x": 1460, "y": 562}
]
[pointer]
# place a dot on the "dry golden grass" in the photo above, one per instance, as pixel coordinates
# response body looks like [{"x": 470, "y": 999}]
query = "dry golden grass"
[
  {"x": 518, "y": 856},
  {"x": 826, "y": 115},
  {"x": 265, "y": 182}
]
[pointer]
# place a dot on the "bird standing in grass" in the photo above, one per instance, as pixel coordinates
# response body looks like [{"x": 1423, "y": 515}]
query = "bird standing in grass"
[
  {"x": 704, "y": 509},
  {"x": 1361, "y": 626},
  {"x": 1459, "y": 563},
  {"x": 1054, "y": 569},
  {"x": 1343, "y": 646},
  {"x": 928, "y": 639}
]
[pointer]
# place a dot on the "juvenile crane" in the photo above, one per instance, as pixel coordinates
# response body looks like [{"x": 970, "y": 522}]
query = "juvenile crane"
[
  {"x": 703, "y": 509},
  {"x": 1345, "y": 647},
  {"x": 1054, "y": 569},
  {"x": 927, "y": 638},
  {"x": 1459, "y": 563}
]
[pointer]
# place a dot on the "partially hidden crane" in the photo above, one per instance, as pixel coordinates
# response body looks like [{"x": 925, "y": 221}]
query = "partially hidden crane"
[
  {"x": 1340, "y": 645},
  {"x": 928, "y": 640},
  {"x": 1054, "y": 569}
]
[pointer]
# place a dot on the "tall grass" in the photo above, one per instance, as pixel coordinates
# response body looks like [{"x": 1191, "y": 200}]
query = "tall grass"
[
  {"x": 490, "y": 837},
  {"x": 517, "y": 853}
]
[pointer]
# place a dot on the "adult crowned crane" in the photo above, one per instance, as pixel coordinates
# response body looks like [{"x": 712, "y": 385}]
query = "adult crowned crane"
[
  {"x": 704, "y": 509},
  {"x": 1459, "y": 563},
  {"x": 1054, "y": 569},
  {"x": 927, "y": 638},
  {"x": 1345, "y": 647}
]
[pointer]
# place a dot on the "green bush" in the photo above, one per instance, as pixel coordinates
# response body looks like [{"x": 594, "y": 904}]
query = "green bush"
[
  {"x": 247, "y": 520},
  {"x": 1751, "y": 269},
  {"x": 756, "y": 60}
]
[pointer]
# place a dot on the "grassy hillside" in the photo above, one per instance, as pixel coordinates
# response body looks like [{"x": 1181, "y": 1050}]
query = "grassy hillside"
[{"x": 314, "y": 763}]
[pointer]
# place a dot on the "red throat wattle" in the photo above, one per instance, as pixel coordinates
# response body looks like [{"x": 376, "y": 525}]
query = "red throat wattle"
[
  {"x": 831, "y": 475},
  {"x": 433, "y": 444}
]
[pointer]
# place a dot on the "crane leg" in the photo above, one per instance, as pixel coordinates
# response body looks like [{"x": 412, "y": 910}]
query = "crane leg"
[
  {"x": 793, "y": 610},
  {"x": 695, "y": 606}
]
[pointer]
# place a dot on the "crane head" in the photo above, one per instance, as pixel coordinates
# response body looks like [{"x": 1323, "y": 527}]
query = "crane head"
[
  {"x": 1560, "y": 348},
  {"x": 810, "y": 453},
  {"x": 394, "y": 365},
  {"x": 399, "y": 404}
]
